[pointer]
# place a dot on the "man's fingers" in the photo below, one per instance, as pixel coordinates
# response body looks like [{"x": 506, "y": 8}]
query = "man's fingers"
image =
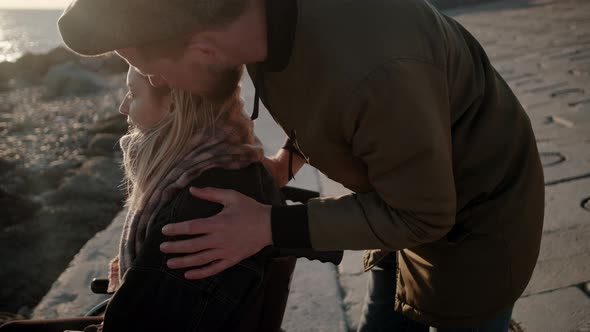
[
  {"x": 191, "y": 227},
  {"x": 209, "y": 270},
  {"x": 198, "y": 259},
  {"x": 196, "y": 244},
  {"x": 216, "y": 195}
]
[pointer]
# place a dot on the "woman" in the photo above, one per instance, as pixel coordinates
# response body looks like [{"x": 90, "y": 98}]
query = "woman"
[{"x": 178, "y": 141}]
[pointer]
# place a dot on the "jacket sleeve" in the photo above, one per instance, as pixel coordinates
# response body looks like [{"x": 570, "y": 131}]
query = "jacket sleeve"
[{"x": 400, "y": 128}]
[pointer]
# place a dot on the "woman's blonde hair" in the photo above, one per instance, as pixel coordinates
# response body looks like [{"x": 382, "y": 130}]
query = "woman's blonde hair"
[{"x": 150, "y": 154}]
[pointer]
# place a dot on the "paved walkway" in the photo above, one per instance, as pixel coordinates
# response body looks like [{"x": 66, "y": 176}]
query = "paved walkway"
[{"x": 543, "y": 51}]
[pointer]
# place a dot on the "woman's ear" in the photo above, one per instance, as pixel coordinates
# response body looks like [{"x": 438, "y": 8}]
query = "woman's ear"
[
  {"x": 172, "y": 106},
  {"x": 166, "y": 102},
  {"x": 169, "y": 100}
]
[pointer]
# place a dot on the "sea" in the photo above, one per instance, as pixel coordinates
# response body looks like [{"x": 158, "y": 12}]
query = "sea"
[{"x": 23, "y": 31}]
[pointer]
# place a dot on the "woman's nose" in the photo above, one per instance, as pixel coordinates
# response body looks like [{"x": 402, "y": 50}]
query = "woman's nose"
[
  {"x": 124, "y": 108},
  {"x": 157, "y": 81}
]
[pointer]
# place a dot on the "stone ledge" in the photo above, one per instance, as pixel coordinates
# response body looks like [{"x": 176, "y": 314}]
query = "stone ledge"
[{"x": 70, "y": 295}]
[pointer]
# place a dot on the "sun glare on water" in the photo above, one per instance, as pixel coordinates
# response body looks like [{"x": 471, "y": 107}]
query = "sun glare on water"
[
  {"x": 27, "y": 30},
  {"x": 34, "y": 4}
]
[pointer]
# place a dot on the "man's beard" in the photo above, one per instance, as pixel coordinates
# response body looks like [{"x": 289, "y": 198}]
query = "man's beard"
[{"x": 224, "y": 83}]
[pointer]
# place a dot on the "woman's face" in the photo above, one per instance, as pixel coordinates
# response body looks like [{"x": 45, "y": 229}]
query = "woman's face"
[{"x": 144, "y": 106}]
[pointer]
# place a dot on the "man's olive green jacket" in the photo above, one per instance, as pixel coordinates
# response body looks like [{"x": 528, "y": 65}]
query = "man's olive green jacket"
[{"x": 401, "y": 105}]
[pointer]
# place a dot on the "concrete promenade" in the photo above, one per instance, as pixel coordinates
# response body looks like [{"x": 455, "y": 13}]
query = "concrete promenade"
[{"x": 542, "y": 49}]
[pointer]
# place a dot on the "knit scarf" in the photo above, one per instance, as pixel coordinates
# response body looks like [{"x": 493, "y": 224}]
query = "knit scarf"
[{"x": 231, "y": 145}]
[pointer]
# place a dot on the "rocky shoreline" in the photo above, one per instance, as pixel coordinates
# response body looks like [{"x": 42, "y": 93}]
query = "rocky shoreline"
[{"x": 60, "y": 175}]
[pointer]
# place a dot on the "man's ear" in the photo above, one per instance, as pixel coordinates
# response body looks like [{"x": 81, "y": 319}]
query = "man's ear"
[{"x": 201, "y": 47}]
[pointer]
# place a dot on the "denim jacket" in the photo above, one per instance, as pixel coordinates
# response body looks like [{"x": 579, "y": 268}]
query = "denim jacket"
[{"x": 154, "y": 297}]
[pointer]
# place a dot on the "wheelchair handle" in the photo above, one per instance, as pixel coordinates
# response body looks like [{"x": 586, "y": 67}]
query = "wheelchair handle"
[
  {"x": 298, "y": 195},
  {"x": 100, "y": 286}
]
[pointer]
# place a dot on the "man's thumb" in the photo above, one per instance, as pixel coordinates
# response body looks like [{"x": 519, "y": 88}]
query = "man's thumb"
[{"x": 216, "y": 195}]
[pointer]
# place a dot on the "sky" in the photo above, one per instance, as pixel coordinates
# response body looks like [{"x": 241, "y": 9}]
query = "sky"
[{"x": 35, "y": 4}]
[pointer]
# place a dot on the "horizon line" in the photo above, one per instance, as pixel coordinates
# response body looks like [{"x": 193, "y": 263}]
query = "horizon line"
[{"x": 31, "y": 8}]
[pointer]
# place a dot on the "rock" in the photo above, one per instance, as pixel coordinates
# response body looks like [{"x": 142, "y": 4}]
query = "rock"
[
  {"x": 115, "y": 124},
  {"x": 25, "y": 311},
  {"x": 30, "y": 68},
  {"x": 49, "y": 241},
  {"x": 70, "y": 79},
  {"x": 103, "y": 145},
  {"x": 106, "y": 64},
  {"x": 14, "y": 181},
  {"x": 7, "y": 72},
  {"x": 15, "y": 208},
  {"x": 60, "y": 54},
  {"x": 98, "y": 180},
  {"x": 50, "y": 177},
  {"x": 6, "y": 165},
  {"x": 7, "y": 69}
]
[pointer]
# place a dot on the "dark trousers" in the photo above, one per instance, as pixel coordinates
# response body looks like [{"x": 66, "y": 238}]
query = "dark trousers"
[{"x": 378, "y": 314}]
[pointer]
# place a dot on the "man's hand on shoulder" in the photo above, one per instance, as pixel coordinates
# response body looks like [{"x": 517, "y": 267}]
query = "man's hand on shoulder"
[{"x": 240, "y": 230}]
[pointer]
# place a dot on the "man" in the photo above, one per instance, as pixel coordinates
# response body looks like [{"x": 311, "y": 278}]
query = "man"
[{"x": 394, "y": 100}]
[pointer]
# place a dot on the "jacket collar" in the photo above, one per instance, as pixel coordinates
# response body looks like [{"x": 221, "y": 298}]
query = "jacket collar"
[{"x": 281, "y": 20}]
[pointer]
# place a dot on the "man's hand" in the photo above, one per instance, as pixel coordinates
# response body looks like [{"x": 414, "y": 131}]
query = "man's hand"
[{"x": 239, "y": 231}]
